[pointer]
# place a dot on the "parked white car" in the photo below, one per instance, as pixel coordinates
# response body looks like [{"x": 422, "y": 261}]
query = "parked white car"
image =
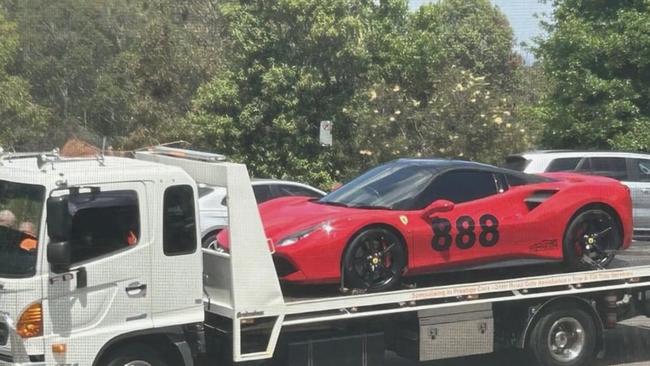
[
  {"x": 632, "y": 169},
  {"x": 213, "y": 202}
]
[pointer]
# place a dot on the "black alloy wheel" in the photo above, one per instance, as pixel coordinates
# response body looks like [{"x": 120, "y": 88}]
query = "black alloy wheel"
[
  {"x": 374, "y": 260},
  {"x": 591, "y": 240}
]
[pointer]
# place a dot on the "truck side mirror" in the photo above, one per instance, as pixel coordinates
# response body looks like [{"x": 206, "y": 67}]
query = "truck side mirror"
[
  {"x": 437, "y": 206},
  {"x": 58, "y": 254},
  {"x": 59, "y": 220}
]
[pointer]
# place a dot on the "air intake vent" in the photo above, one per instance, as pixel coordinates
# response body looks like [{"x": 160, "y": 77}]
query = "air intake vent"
[{"x": 537, "y": 198}]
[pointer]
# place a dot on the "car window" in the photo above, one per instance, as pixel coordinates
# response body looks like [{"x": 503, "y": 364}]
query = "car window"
[
  {"x": 291, "y": 190},
  {"x": 643, "y": 170},
  {"x": 462, "y": 186},
  {"x": 262, "y": 193},
  {"x": 563, "y": 164},
  {"x": 606, "y": 166}
]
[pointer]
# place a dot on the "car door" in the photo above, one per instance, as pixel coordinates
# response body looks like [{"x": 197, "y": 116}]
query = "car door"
[
  {"x": 477, "y": 230},
  {"x": 105, "y": 292},
  {"x": 639, "y": 183}
]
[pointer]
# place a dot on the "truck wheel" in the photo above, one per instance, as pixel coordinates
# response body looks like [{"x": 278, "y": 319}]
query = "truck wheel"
[
  {"x": 593, "y": 233},
  {"x": 564, "y": 337},
  {"x": 135, "y": 355},
  {"x": 374, "y": 260}
]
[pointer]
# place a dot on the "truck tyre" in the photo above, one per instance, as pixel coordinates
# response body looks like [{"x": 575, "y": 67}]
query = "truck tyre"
[
  {"x": 138, "y": 354},
  {"x": 563, "y": 337}
]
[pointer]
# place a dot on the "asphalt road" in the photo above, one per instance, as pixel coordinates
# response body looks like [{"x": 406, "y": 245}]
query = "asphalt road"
[{"x": 628, "y": 344}]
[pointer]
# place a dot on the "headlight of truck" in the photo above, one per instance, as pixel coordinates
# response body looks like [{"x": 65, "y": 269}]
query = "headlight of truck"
[{"x": 299, "y": 235}]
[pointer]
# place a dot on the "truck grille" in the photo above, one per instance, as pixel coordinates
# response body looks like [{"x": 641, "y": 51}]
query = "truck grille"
[{"x": 4, "y": 334}]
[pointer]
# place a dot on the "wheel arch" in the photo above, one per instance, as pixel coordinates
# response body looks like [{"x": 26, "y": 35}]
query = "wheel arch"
[
  {"x": 565, "y": 302},
  {"x": 170, "y": 341}
]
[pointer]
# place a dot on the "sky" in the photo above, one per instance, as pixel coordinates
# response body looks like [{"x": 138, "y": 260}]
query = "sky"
[{"x": 520, "y": 13}]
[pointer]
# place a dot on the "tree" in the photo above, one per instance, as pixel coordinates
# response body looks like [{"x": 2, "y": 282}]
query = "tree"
[
  {"x": 598, "y": 63},
  {"x": 459, "y": 93},
  {"x": 291, "y": 64},
  {"x": 22, "y": 122},
  {"x": 122, "y": 69}
]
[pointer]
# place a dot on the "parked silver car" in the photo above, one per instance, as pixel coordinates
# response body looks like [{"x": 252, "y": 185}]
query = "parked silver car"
[
  {"x": 632, "y": 169},
  {"x": 213, "y": 202}
]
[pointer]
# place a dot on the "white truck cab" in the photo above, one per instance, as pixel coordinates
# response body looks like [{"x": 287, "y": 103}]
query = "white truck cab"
[{"x": 114, "y": 224}]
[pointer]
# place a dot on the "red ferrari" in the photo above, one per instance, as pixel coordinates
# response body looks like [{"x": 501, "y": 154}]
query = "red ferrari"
[{"x": 416, "y": 216}]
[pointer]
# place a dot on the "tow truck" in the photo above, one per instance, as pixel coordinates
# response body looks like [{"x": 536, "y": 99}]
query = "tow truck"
[{"x": 118, "y": 277}]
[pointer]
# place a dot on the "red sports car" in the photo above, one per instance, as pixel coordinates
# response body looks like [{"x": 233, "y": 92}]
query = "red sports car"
[{"x": 416, "y": 216}]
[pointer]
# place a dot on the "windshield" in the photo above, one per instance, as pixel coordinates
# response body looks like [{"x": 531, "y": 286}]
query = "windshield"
[
  {"x": 21, "y": 206},
  {"x": 394, "y": 186}
]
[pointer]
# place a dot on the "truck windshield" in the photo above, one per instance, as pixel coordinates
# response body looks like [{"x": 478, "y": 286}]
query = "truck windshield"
[{"x": 21, "y": 207}]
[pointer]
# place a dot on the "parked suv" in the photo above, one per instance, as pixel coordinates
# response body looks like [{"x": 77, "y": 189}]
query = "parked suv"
[{"x": 630, "y": 168}]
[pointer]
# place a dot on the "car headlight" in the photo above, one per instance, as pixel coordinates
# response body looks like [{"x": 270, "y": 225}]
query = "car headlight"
[{"x": 299, "y": 235}]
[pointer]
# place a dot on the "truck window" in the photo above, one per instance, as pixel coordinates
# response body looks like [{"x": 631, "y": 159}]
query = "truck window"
[
  {"x": 179, "y": 224},
  {"x": 103, "y": 223}
]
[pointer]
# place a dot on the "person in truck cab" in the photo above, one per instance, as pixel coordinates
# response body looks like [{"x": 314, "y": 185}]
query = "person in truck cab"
[
  {"x": 29, "y": 242},
  {"x": 7, "y": 218}
]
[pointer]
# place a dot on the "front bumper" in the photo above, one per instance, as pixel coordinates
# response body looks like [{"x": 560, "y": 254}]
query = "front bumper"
[{"x": 8, "y": 360}]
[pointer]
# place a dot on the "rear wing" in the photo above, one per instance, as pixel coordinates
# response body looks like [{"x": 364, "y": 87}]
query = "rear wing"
[{"x": 243, "y": 283}]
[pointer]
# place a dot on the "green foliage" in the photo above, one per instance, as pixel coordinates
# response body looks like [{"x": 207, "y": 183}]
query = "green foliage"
[
  {"x": 253, "y": 79},
  {"x": 460, "y": 93},
  {"x": 597, "y": 59},
  {"x": 292, "y": 63},
  {"x": 22, "y": 122},
  {"x": 125, "y": 69}
]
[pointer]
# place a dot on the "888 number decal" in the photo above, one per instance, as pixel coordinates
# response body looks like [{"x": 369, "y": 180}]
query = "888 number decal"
[{"x": 466, "y": 235}]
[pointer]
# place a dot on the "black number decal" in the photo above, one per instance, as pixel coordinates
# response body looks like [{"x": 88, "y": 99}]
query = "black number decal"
[
  {"x": 441, "y": 234},
  {"x": 466, "y": 237},
  {"x": 489, "y": 230}
]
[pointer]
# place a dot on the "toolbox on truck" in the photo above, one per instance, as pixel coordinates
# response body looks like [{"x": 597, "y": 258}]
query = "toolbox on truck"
[{"x": 449, "y": 332}]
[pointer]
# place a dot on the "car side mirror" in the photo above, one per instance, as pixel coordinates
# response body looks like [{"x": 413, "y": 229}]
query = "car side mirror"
[
  {"x": 58, "y": 254},
  {"x": 438, "y": 206},
  {"x": 59, "y": 220}
]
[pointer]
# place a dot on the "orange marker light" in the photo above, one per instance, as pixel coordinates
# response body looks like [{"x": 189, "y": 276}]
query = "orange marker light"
[
  {"x": 59, "y": 348},
  {"x": 30, "y": 323}
]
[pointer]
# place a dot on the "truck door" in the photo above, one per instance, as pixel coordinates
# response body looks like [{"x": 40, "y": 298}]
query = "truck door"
[
  {"x": 177, "y": 264},
  {"x": 106, "y": 292}
]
